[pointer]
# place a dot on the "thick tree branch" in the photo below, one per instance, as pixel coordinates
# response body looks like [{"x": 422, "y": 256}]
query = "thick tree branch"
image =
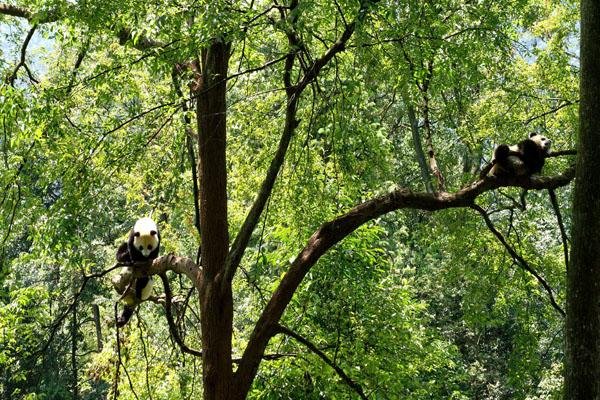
[
  {"x": 179, "y": 265},
  {"x": 14, "y": 11},
  {"x": 353, "y": 385},
  {"x": 21, "y": 12},
  {"x": 330, "y": 233}
]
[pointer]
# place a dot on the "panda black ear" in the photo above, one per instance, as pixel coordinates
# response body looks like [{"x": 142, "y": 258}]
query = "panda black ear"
[
  {"x": 137, "y": 234},
  {"x": 532, "y": 134}
]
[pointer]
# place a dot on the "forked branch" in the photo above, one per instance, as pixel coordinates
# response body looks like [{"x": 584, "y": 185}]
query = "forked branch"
[
  {"x": 332, "y": 232},
  {"x": 518, "y": 259},
  {"x": 352, "y": 384},
  {"x": 293, "y": 95}
]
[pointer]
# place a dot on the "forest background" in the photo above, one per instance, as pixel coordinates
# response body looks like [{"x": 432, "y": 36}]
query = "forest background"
[{"x": 273, "y": 143}]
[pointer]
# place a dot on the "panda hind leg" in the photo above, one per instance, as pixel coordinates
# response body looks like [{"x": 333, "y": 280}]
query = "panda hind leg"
[
  {"x": 140, "y": 285},
  {"x": 125, "y": 315}
]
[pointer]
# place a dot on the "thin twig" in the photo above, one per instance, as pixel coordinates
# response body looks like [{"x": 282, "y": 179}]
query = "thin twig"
[{"x": 351, "y": 383}]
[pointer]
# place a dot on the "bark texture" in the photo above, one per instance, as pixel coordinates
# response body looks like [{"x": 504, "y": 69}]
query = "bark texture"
[
  {"x": 582, "y": 369},
  {"x": 216, "y": 299}
]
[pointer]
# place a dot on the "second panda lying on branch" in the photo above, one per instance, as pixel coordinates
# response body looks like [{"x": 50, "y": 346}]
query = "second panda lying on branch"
[
  {"x": 142, "y": 247},
  {"x": 523, "y": 159}
]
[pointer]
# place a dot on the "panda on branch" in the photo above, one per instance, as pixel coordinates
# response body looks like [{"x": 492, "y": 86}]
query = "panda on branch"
[
  {"x": 142, "y": 247},
  {"x": 523, "y": 159}
]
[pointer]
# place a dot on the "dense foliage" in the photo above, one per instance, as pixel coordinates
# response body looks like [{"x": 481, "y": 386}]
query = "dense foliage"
[{"x": 95, "y": 133}]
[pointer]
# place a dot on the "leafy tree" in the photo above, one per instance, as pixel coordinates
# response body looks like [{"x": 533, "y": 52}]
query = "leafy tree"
[{"x": 272, "y": 142}]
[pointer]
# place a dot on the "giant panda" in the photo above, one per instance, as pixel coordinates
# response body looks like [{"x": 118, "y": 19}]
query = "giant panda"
[
  {"x": 142, "y": 246},
  {"x": 523, "y": 159}
]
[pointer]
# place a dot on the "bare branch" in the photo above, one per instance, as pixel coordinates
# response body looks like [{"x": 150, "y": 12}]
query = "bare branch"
[
  {"x": 561, "y": 225},
  {"x": 520, "y": 260},
  {"x": 354, "y": 385},
  {"x": 551, "y": 111},
  {"x": 58, "y": 322},
  {"x": 179, "y": 265},
  {"x": 561, "y": 153},
  {"x": 169, "y": 314},
  {"x": 12, "y": 77}
]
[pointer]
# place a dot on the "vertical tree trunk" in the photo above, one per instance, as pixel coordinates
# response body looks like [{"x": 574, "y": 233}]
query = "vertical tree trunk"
[
  {"x": 216, "y": 299},
  {"x": 582, "y": 369},
  {"x": 416, "y": 136},
  {"x": 96, "y": 311},
  {"x": 74, "y": 383}
]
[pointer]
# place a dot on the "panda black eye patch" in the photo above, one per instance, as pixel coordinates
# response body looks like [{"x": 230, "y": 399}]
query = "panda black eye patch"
[
  {"x": 137, "y": 234},
  {"x": 141, "y": 247},
  {"x": 149, "y": 247}
]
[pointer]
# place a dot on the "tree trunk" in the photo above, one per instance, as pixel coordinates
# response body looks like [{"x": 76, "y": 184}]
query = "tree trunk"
[
  {"x": 96, "y": 311},
  {"x": 582, "y": 364},
  {"x": 216, "y": 299},
  {"x": 74, "y": 384},
  {"x": 416, "y": 136}
]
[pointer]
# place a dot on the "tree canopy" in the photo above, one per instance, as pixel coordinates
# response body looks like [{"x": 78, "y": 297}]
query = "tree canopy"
[{"x": 318, "y": 173}]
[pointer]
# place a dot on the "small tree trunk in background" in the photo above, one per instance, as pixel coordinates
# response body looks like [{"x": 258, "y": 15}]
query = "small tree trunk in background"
[
  {"x": 74, "y": 352},
  {"x": 96, "y": 311},
  {"x": 416, "y": 137},
  {"x": 582, "y": 364}
]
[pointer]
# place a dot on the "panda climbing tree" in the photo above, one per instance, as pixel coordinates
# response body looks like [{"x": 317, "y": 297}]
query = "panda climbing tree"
[{"x": 141, "y": 248}]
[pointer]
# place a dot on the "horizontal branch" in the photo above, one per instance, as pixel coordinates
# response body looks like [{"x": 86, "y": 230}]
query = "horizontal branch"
[
  {"x": 332, "y": 232},
  {"x": 124, "y": 35},
  {"x": 21, "y": 12},
  {"x": 561, "y": 153},
  {"x": 14, "y": 11},
  {"x": 169, "y": 262}
]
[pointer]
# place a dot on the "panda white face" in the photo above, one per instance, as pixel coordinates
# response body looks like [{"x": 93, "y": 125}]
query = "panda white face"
[
  {"x": 542, "y": 141},
  {"x": 145, "y": 236}
]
